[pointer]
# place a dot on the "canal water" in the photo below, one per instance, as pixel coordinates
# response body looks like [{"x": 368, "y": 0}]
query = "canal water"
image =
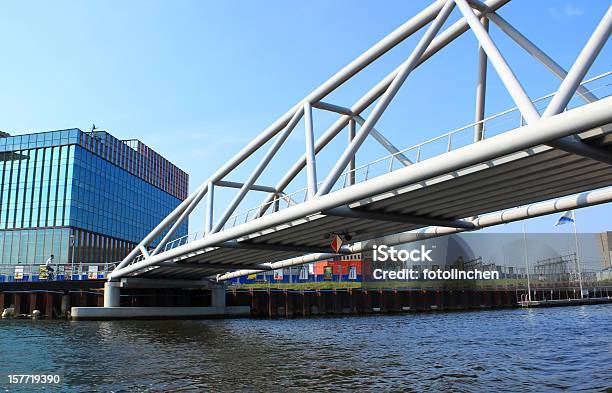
[{"x": 506, "y": 350}]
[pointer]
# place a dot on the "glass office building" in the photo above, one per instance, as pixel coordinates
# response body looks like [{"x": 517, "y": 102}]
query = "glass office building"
[{"x": 85, "y": 197}]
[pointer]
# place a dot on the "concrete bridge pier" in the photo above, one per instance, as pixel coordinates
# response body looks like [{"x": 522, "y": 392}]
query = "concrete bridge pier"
[
  {"x": 112, "y": 294},
  {"x": 112, "y": 302},
  {"x": 218, "y": 296}
]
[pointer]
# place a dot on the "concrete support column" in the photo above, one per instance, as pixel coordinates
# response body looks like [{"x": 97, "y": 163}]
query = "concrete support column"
[
  {"x": 218, "y": 296},
  {"x": 112, "y": 292}
]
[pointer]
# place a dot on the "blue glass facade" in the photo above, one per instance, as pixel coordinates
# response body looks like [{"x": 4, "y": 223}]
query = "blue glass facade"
[{"x": 83, "y": 197}]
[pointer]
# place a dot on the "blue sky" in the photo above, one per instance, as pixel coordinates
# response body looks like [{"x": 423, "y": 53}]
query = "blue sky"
[{"x": 198, "y": 80}]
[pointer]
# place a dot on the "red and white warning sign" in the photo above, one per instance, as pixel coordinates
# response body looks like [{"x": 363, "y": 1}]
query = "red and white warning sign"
[{"x": 336, "y": 243}]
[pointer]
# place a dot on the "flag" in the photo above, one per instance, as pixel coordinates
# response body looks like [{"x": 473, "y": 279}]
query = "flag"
[{"x": 565, "y": 218}]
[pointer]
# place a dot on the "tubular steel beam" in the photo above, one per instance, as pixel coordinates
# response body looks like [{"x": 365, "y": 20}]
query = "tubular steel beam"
[
  {"x": 481, "y": 87},
  {"x": 210, "y": 204},
  {"x": 282, "y": 137},
  {"x": 177, "y": 212},
  {"x": 441, "y": 41},
  {"x": 254, "y": 187},
  {"x": 387, "y": 97},
  {"x": 520, "y": 213},
  {"x": 574, "y": 145},
  {"x": 144, "y": 251},
  {"x": 522, "y": 101},
  {"x": 379, "y": 137},
  {"x": 581, "y": 66},
  {"x": 208, "y": 265},
  {"x": 311, "y": 163},
  {"x": 351, "y": 167},
  {"x": 333, "y": 108},
  {"x": 271, "y": 247},
  {"x": 568, "y": 86},
  {"x": 538, "y": 54},
  {"x": 350, "y": 70},
  {"x": 384, "y": 142},
  {"x": 393, "y": 217},
  {"x": 564, "y": 124},
  {"x": 198, "y": 196},
  {"x": 572, "y": 81}
]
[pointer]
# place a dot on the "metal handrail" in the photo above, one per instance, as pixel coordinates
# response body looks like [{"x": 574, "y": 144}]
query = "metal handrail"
[
  {"x": 31, "y": 271},
  {"x": 472, "y": 125}
]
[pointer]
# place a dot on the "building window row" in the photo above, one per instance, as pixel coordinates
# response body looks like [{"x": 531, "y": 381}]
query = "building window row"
[
  {"x": 57, "y": 186},
  {"x": 131, "y": 155},
  {"x": 67, "y": 245}
]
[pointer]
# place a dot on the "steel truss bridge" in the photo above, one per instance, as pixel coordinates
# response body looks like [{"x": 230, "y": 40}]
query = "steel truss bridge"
[{"x": 553, "y": 156}]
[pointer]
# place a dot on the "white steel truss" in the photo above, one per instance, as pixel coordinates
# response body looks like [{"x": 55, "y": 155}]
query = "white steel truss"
[{"x": 554, "y": 129}]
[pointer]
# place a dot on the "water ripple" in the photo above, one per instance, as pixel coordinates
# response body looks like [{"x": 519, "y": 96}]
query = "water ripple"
[{"x": 509, "y": 350}]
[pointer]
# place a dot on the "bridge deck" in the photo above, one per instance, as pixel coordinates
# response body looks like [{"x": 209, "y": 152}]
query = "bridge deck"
[{"x": 517, "y": 179}]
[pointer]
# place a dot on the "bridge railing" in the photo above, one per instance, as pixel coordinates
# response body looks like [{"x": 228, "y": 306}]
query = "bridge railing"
[
  {"x": 493, "y": 125},
  {"x": 61, "y": 272},
  {"x": 496, "y": 124}
]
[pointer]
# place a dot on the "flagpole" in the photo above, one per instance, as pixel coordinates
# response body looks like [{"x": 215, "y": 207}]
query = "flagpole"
[
  {"x": 577, "y": 252},
  {"x": 526, "y": 264}
]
